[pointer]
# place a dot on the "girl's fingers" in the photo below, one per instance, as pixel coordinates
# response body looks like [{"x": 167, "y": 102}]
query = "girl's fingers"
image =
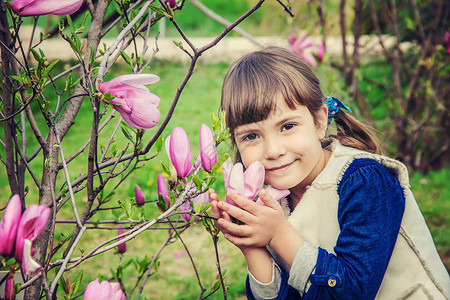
[
  {"x": 230, "y": 228},
  {"x": 235, "y": 212},
  {"x": 237, "y": 240},
  {"x": 215, "y": 210},
  {"x": 268, "y": 200},
  {"x": 244, "y": 203},
  {"x": 226, "y": 216},
  {"x": 212, "y": 195}
]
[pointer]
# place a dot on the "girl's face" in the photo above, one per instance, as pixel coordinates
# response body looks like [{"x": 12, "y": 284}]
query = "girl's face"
[{"x": 287, "y": 143}]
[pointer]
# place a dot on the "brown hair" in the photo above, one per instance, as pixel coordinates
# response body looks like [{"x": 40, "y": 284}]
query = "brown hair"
[{"x": 252, "y": 82}]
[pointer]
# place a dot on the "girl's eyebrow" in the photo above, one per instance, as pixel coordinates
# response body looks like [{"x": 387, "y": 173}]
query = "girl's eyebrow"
[
  {"x": 244, "y": 131},
  {"x": 289, "y": 118}
]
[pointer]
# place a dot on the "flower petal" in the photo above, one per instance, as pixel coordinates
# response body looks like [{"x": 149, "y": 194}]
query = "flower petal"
[
  {"x": 276, "y": 193},
  {"x": 31, "y": 224},
  {"x": 41, "y": 7},
  {"x": 29, "y": 265},
  {"x": 129, "y": 79},
  {"x": 180, "y": 152},
  {"x": 9, "y": 226},
  {"x": 208, "y": 153},
  {"x": 253, "y": 179}
]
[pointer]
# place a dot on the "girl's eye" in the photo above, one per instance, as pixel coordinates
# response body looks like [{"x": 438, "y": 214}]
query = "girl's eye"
[
  {"x": 250, "y": 137},
  {"x": 288, "y": 126}
]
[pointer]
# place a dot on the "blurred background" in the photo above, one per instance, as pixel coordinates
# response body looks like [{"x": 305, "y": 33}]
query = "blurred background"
[{"x": 396, "y": 79}]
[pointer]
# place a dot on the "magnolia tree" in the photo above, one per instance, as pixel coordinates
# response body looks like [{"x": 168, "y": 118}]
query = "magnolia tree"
[{"x": 28, "y": 226}]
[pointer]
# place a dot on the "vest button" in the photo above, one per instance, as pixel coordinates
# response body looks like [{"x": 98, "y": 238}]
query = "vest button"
[{"x": 331, "y": 282}]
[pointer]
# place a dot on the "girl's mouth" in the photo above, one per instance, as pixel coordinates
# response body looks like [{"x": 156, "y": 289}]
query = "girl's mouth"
[{"x": 281, "y": 168}]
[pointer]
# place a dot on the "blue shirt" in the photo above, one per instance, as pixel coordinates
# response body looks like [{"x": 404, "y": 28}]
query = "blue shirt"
[{"x": 370, "y": 211}]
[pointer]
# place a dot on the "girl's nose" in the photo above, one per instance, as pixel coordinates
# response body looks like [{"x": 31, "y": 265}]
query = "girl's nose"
[{"x": 274, "y": 149}]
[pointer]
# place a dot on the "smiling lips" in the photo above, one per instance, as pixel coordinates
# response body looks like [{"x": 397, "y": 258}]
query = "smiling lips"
[{"x": 280, "y": 168}]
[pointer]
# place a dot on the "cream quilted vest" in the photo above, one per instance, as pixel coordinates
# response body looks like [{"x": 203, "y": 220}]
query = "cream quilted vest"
[{"x": 415, "y": 270}]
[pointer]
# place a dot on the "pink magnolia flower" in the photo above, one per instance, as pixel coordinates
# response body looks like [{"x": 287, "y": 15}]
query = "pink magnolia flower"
[
  {"x": 162, "y": 189},
  {"x": 208, "y": 153},
  {"x": 447, "y": 40},
  {"x": 186, "y": 206},
  {"x": 44, "y": 7},
  {"x": 172, "y": 3},
  {"x": 31, "y": 224},
  {"x": 180, "y": 152},
  {"x": 299, "y": 45},
  {"x": 139, "y": 196},
  {"x": 246, "y": 184},
  {"x": 122, "y": 248},
  {"x": 275, "y": 193},
  {"x": 133, "y": 101},
  {"x": 103, "y": 291},
  {"x": 321, "y": 52},
  {"x": 9, "y": 226}
]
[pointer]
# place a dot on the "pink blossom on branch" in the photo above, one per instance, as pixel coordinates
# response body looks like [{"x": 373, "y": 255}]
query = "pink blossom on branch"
[
  {"x": 44, "y": 7},
  {"x": 162, "y": 189},
  {"x": 29, "y": 265},
  {"x": 133, "y": 100},
  {"x": 248, "y": 183},
  {"x": 208, "y": 153},
  {"x": 321, "y": 52},
  {"x": 139, "y": 196},
  {"x": 103, "y": 291},
  {"x": 186, "y": 206},
  {"x": 447, "y": 41},
  {"x": 299, "y": 45},
  {"x": 172, "y": 3},
  {"x": 9, "y": 225},
  {"x": 122, "y": 248},
  {"x": 180, "y": 152},
  {"x": 31, "y": 224}
]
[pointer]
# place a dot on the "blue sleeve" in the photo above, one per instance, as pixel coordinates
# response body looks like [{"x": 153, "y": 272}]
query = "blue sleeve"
[
  {"x": 370, "y": 210},
  {"x": 285, "y": 292}
]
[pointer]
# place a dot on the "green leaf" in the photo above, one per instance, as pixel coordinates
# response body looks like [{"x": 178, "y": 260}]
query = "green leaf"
[
  {"x": 77, "y": 282},
  {"x": 126, "y": 58},
  {"x": 162, "y": 204},
  {"x": 209, "y": 182},
  {"x": 36, "y": 56},
  {"x": 17, "y": 78},
  {"x": 198, "y": 182},
  {"x": 50, "y": 68},
  {"x": 127, "y": 135},
  {"x": 83, "y": 21},
  {"x": 157, "y": 9},
  {"x": 159, "y": 144},
  {"x": 92, "y": 57},
  {"x": 165, "y": 168},
  {"x": 126, "y": 207},
  {"x": 179, "y": 44},
  {"x": 69, "y": 21},
  {"x": 62, "y": 284},
  {"x": 219, "y": 163}
]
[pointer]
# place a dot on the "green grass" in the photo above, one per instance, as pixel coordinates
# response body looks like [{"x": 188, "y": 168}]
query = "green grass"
[{"x": 175, "y": 278}]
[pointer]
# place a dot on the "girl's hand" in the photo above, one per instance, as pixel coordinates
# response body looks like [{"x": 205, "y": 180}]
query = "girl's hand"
[
  {"x": 225, "y": 217},
  {"x": 261, "y": 222}
]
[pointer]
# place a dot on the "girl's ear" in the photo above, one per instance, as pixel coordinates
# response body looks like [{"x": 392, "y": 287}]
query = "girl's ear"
[{"x": 322, "y": 119}]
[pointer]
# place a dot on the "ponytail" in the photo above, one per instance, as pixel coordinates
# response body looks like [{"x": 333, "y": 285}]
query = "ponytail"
[{"x": 353, "y": 133}]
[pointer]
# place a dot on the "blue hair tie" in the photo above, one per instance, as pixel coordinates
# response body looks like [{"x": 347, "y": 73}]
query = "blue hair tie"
[{"x": 334, "y": 105}]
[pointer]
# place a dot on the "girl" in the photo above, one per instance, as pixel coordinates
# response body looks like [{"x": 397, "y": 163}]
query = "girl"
[{"x": 350, "y": 227}]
